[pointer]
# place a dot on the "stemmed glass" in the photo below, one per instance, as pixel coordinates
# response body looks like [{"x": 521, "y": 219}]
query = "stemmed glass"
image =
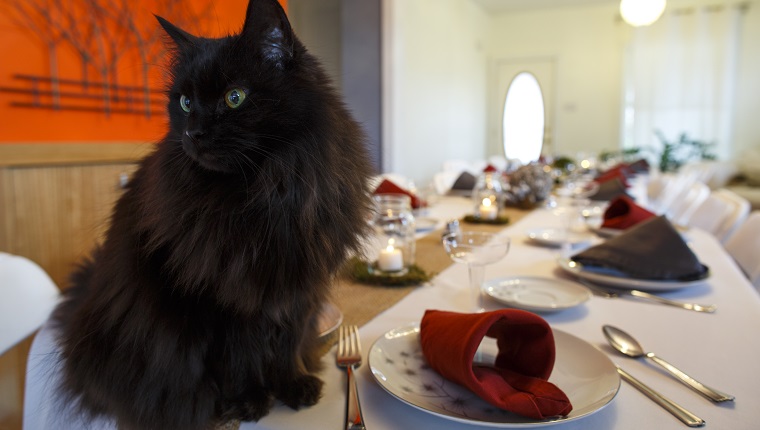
[
  {"x": 477, "y": 250},
  {"x": 571, "y": 198},
  {"x": 578, "y": 187}
]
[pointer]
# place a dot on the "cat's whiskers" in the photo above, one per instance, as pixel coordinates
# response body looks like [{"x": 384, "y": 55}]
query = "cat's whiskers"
[
  {"x": 242, "y": 162},
  {"x": 285, "y": 164}
]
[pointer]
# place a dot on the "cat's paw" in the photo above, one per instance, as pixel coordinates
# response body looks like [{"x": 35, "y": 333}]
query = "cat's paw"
[
  {"x": 253, "y": 409},
  {"x": 303, "y": 391}
]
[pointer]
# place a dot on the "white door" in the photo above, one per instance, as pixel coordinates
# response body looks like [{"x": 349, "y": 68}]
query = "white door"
[{"x": 544, "y": 69}]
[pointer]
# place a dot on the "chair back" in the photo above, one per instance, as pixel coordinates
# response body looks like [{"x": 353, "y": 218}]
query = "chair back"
[
  {"x": 687, "y": 202},
  {"x": 710, "y": 215},
  {"x": 28, "y": 298},
  {"x": 740, "y": 208},
  {"x": 744, "y": 247}
]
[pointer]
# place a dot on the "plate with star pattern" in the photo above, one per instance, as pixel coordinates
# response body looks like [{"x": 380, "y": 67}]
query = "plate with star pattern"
[{"x": 584, "y": 373}]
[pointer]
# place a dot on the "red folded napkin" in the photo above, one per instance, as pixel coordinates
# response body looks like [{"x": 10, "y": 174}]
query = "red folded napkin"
[
  {"x": 388, "y": 187},
  {"x": 490, "y": 168},
  {"x": 623, "y": 212},
  {"x": 517, "y": 381}
]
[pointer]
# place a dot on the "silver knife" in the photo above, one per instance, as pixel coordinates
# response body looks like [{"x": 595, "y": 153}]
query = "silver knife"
[
  {"x": 677, "y": 410},
  {"x": 608, "y": 293}
]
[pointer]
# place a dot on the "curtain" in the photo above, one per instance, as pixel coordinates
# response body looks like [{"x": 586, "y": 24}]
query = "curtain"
[{"x": 679, "y": 77}]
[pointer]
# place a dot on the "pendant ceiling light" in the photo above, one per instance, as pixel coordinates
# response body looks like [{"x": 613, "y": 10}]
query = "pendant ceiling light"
[{"x": 641, "y": 12}]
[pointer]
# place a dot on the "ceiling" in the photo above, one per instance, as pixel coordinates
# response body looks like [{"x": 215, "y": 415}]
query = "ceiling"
[{"x": 512, "y": 5}]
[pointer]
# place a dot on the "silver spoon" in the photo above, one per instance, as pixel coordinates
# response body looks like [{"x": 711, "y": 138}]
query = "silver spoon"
[{"x": 626, "y": 344}]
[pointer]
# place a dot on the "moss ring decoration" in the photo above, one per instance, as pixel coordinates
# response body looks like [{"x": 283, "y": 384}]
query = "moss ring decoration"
[
  {"x": 359, "y": 270},
  {"x": 499, "y": 220}
]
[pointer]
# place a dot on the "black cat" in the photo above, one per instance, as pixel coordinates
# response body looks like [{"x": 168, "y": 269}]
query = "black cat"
[{"x": 201, "y": 304}]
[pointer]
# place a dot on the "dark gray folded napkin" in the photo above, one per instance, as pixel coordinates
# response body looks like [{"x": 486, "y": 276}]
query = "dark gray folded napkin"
[
  {"x": 651, "y": 250},
  {"x": 464, "y": 184},
  {"x": 609, "y": 190},
  {"x": 639, "y": 166}
]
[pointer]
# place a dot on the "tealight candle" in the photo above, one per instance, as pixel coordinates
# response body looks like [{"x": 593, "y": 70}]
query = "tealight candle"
[
  {"x": 487, "y": 209},
  {"x": 391, "y": 259}
]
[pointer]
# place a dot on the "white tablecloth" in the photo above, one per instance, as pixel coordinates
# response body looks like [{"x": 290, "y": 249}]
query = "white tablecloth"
[{"x": 721, "y": 349}]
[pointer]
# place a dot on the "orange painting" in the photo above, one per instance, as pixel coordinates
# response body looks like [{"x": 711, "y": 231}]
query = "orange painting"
[{"x": 94, "y": 70}]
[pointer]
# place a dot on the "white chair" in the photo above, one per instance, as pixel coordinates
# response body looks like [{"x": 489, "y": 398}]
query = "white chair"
[
  {"x": 28, "y": 297},
  {"x": 656, "y": 187},
  {"x": 710, "y": 215},
  {"x": 664, "y": 190},
  {"x": 744, "y": 247},
  {"x": 740, "y": 208},
  {"x": 721, "y": 173},
  {"x": 701, "y": 170},
  {"x": 720, "y": 214},
  {"x": 687, "y": 201}
]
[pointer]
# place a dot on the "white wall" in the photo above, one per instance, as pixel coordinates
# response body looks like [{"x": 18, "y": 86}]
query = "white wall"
[
  {"x": 585, "y": 40},
  {"x": 435, "y": 85}
]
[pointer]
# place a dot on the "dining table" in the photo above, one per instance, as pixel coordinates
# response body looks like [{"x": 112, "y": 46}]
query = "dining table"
[{"x": 720, "y": 349}]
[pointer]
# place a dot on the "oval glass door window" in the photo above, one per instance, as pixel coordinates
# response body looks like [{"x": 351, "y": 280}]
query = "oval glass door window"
[{"x": 523, "y": 122}]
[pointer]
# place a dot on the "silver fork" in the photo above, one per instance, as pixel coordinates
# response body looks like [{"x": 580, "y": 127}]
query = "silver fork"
[
  {"x": 349, "y": 357},
  {"x": 603, "y": 292}
]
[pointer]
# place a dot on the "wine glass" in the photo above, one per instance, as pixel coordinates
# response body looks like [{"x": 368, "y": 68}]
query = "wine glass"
[
  {"x": 571, "y": 198},
  {"x": 476, "y": 249},
  {"x": 578, "y": 187}
]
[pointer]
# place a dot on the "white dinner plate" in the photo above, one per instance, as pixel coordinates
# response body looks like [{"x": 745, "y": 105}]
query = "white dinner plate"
[
  {"x": 425, "y": 224},
  {"x": 537, "y": 294},
  {"x": 624, "y": 282},
  {"x": 584, "y": 373},
  {"x": 605, "y": 232},
  {"x": 556, "y": 236},
  {"x": 329, "y": 319}
]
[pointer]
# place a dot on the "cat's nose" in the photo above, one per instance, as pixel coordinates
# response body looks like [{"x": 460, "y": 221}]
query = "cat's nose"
[{"x": 194, "y": 134}]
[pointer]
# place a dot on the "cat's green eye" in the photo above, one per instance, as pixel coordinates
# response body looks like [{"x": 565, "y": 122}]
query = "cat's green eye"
[
  {"x": 184, "y": 103},
  {"x": 234, "y": 97}
]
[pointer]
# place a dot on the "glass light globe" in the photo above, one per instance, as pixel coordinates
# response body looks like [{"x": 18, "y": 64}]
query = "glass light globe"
[{"x": 641, "y": 12}]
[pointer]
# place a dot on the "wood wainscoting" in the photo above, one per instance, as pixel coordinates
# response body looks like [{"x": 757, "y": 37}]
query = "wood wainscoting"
[{"x": 55, "y": 203}]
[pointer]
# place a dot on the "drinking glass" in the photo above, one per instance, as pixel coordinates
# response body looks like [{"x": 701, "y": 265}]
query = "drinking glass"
[
  {"x": 570, "y": 201},
  {"x": 476, "y": 250},
  {"x": 578, "y": 187}
]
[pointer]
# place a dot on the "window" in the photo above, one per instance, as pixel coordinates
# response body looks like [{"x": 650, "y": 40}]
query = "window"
[{"x": 523, "y": 122}]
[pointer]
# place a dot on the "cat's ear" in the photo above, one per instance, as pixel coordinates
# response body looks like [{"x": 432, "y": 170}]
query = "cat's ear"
[
  {"x": 267, "y": 26},
  {"x": 182, "y": 38}
]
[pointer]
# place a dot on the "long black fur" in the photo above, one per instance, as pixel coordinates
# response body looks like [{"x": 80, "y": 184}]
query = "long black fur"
[{"x": 200, "y": 306}]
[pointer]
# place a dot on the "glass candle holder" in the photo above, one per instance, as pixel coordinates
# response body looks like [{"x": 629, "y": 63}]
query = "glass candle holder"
[
  {"x": 488, "y": 196},
  {"x": 395, "y": 235}
]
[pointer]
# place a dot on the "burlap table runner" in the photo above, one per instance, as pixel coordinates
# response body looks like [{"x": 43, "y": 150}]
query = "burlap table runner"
[{"x": 360, "y": 302}]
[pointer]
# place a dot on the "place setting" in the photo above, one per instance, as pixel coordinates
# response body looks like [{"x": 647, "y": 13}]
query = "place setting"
[
  {"x": 619, "y": 215},
  {"x": 651, "y": 256},
  {"x": 504, "y": 368},
  {"x": 513, "y": 355},
  {"x": 568, "y": 203}
]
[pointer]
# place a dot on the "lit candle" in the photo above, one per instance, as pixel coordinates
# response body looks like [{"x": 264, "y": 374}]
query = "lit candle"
[
  {"x": 488, "y": 210},
  {"x": 391, "y": 259}
]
